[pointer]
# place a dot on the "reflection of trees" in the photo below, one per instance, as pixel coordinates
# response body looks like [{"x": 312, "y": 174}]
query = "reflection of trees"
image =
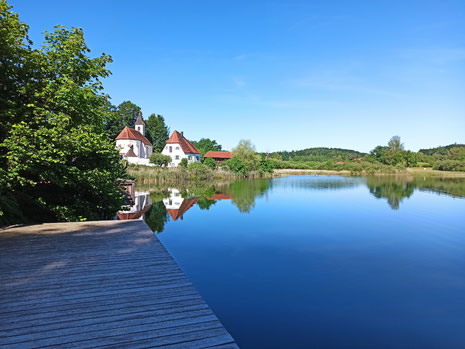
[
  {"x": 319, "y": 182},
  {"x": 454, "y": 187},
  {"x": 394, "y": 189},
  {"x": 244, "y": 192},
  {"x": 205, "y": 203},
  {"x": 157, "y": 216}
]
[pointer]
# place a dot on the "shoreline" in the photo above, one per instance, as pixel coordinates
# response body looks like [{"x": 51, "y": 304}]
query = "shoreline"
[{"x": 405, "y": 172}]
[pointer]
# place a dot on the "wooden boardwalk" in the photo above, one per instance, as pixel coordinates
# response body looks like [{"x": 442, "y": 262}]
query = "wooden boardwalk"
[{"x": 98, "y": 284}]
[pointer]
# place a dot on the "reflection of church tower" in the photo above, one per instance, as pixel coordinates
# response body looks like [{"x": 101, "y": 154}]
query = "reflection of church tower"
[{"x": 140, "y": 124}]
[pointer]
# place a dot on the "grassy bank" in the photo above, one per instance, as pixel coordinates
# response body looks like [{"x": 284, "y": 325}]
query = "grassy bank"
[
  {"x": 148, "y": 174},
  {"x": 399, "y": 172}
]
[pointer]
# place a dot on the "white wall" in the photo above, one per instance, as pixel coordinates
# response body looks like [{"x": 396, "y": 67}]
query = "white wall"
[
  {"x": 174, "y": 201},
  {"x": 140, "y": 149},
  {"x": 177, "y": 154}
]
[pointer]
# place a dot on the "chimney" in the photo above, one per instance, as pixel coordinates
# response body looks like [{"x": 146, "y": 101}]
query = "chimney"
[{"x": 182, "y": 133}]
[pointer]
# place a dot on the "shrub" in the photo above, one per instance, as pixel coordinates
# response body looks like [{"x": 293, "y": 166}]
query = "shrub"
[
  {"x": 235, "y": 165},
  {"x": 210, "y": 163},
  {"x": 159, "y": 159},
  {"x": 198, "y": 170},
  {"x": 266, "y": 166},
  {"x": 183, "y": 162}
]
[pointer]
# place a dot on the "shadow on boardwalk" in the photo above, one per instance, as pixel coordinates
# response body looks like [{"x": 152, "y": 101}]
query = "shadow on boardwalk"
[{"x": 90, "y": 284}]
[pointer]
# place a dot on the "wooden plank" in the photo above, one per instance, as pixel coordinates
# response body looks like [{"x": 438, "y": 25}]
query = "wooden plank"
[{"x": 98, "y": 284}]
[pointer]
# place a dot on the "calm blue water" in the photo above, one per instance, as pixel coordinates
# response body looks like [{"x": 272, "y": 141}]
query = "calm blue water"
[{"x": 325, "y": 261}]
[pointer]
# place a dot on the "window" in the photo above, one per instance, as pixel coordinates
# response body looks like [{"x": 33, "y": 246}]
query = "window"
[
  {"x": 171, "y": 149},
  {"x": 177, "y": 157},
  {"x": 177, "y": 148},
  {"x": 190, "y": 157}
]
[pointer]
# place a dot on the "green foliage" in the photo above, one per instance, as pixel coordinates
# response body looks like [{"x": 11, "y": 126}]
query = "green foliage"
[
  {"x": 123, "y": 115},
  {"x": 159, "y": 159},
  {"x": 441, "y": 151},
  {"x": 266, "y": 166},
  {"x": 157, "y": 132},
  {"x": 210, "y": 163},
  {"x": 205, "y": 145},
  {"x": 204, "y": 203},
  {"x": 235, "y": 165},
  {"x": 317, "y": 154},
  {"x": 157, "y": 216},
  {"x": 245, "y": 152},
  {"x": 56, "y": 160},
  {"x": 183, "y": 162},
  {"x": 198, "y": 170}
]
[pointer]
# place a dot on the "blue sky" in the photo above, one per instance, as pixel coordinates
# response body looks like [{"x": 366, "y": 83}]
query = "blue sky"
[{"x": 286, "y": 74}]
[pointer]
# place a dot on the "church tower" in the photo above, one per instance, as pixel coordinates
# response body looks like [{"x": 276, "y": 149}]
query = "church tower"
[{"x": 140, "y": 124}]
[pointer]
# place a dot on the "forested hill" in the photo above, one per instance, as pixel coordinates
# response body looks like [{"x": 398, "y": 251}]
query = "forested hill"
[
  {"x": 319, "y": 154},
  {"x": 441, "y": 150}
]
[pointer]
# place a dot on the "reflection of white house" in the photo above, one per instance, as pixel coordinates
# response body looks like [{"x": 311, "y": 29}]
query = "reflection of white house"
[
  {"x": 133, "y": 145},
  {"x": 176, "y": 205},
  {"x": 142, "y": 203},
  {"x": 178, "y": 148}
]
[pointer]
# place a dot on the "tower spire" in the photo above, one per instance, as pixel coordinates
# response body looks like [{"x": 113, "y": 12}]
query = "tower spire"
[{"x": 140, "y": 124}]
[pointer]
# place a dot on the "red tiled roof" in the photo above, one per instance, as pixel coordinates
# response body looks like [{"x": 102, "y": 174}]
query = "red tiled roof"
[
  {"x": 219, "y": 154},
  {"x": 186, "y": 204},
  {"x": 220, "y": 197},
  {"x": 186, "y": 146},
  {"x": 130, "y": 133}
]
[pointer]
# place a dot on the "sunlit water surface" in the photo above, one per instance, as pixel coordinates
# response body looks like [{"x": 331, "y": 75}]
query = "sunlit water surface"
[{"x": 322, "y": 261}]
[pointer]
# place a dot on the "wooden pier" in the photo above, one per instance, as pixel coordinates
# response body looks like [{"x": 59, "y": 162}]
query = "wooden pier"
[{"x": 98, "y": 284}]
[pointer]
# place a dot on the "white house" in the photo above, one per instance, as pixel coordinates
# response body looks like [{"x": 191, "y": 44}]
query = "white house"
[
  {"x": 176, "y": 205},
  {"x": 178, "y": 148},
  {"x": 133, "y": 145}
]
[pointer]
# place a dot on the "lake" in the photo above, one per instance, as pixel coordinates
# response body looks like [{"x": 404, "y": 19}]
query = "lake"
[{"x": 321, "y": 261}]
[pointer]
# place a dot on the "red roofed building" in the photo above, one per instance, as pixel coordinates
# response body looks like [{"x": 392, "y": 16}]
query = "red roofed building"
[
  {"x": 219, "y": 156},
  {"x": 133, "y": 145},
  {"x": 178, "y": 148}
]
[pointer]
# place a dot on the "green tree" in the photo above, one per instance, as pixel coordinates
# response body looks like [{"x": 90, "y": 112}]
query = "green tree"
[
  {"x": 395, "y": 145},
  {"x": 56, "y": 160},
  {"x": 123, "y": 115},
  {"x": 235, "y": 165},
  {"x": 159, "y": 159},
  {"x": 245, "y": 152},
  {"x": 206, "y": 144},
  {"x": 183, "y": 162},
  {"x": 210, "y": 163},
  {"x": 157, "y": 132}
]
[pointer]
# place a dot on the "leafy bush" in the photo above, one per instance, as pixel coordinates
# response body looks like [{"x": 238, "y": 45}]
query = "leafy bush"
[
  {"x": 198, "y": 170},
  {"x": 159, "y": 159},
  {"x": 266, "y": 166},
  {"x": 449, "y": 165},
  {"x": 235, "y": 165},
  {"x": 210, "y": 163},
  {"x": 183, "y": 162}
]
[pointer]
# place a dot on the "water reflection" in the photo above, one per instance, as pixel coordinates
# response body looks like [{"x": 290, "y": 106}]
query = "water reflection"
[
  {"x": 159, "y": 205},
  {"x": 140, "y": 204},
  {"x": 393, "y": 189}
]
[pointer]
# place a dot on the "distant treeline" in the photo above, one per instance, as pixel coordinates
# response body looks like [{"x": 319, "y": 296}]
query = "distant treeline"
[
  {"x": 387, "y": 158},
  {"x": 444, "y": 150},
  {"x": 317, "y": 154}
]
